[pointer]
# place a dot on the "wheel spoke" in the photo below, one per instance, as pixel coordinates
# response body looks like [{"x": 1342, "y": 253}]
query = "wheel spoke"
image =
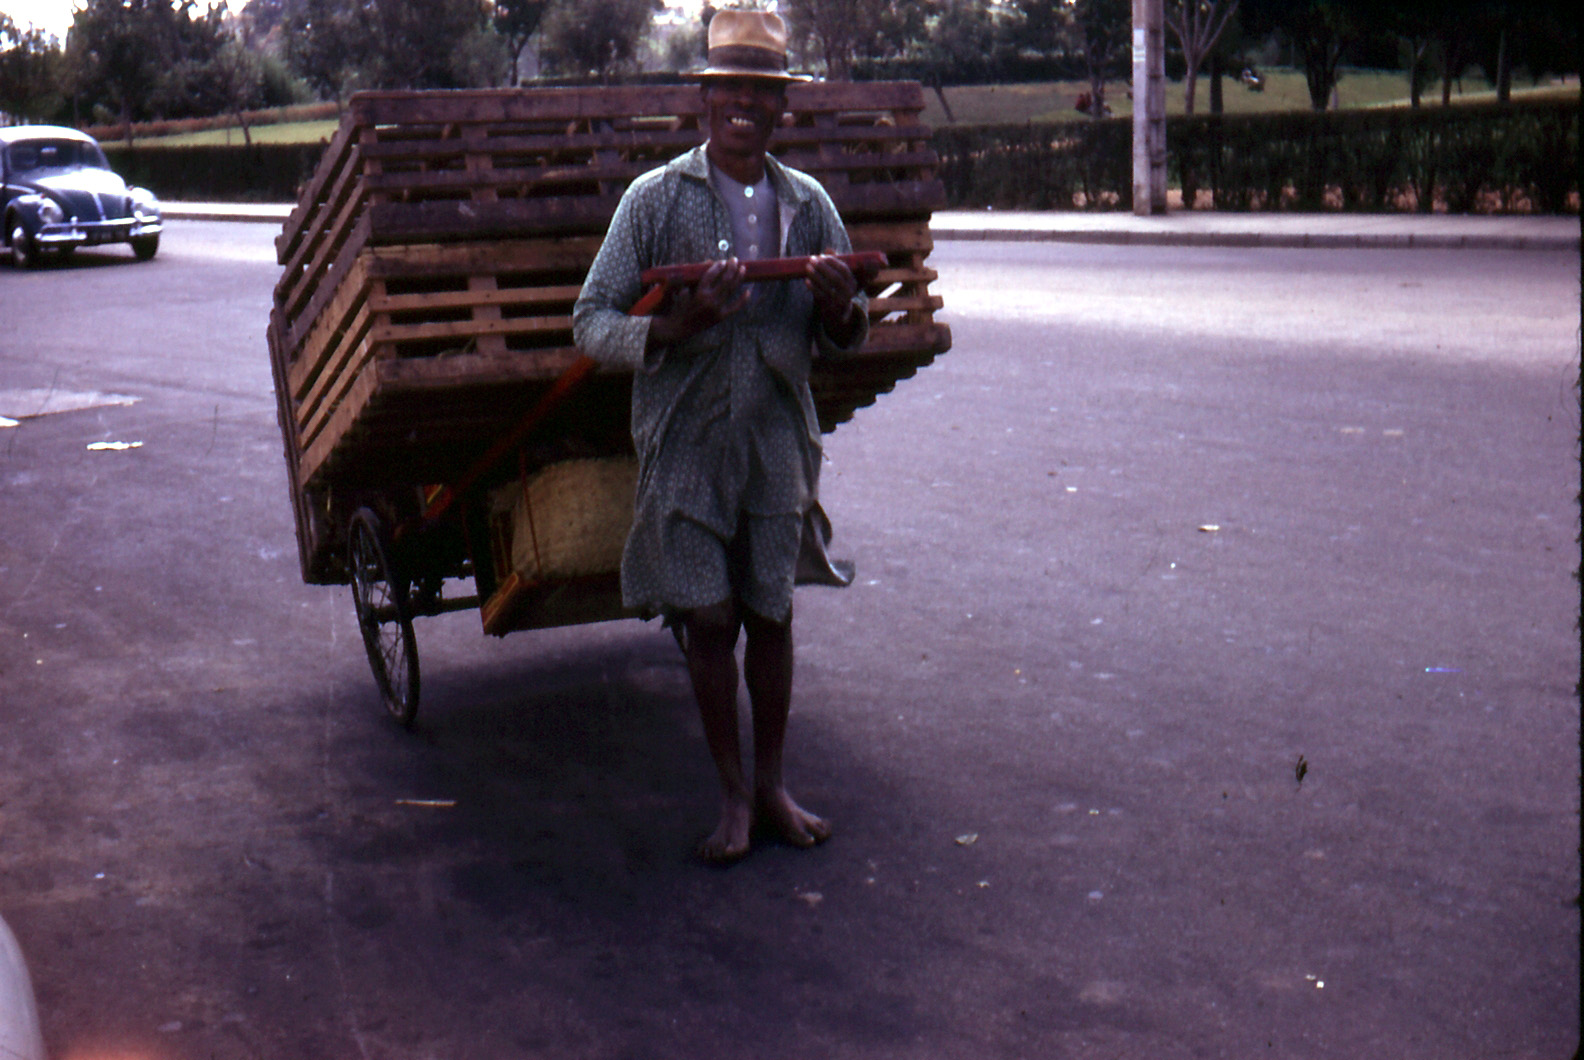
[{"x": 383, "y": 617}]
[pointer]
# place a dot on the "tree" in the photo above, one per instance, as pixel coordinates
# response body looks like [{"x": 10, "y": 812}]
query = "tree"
[
  {"x": 325, "y": 44},
  {"x": 1197, "y": 25},
  {"x": 517, "y": 21},
  {"x": 230, "y": 82},
  {"x": 207, "y": 70},
  {"x": 120, "y": 51},
  {"x": 260, "y": 23},
  {"x": 1103, "y": 29},
  {"x": 1540, "y": 36},
  {"x": 835, "y": 32},
  {"x": 959, "y": 43},
  {"x": 601, "y": 37},
  {"x": 1043, "y": 26},
  {"x": 339, "y": 46},
  {"x": 1320, "y": 31},
  {"x": 30, "y": 72},
  {"x": 898, "y": 27},
  {"x": 418, "y": 43}
]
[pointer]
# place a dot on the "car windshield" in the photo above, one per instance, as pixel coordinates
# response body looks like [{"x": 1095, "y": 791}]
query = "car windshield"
[{"x": 55, "y": 154}]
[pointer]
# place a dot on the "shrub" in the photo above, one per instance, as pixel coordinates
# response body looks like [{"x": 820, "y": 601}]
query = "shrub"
[
  {"x": 1472, "y": 158},
  {"x": 218, "y": 173}
]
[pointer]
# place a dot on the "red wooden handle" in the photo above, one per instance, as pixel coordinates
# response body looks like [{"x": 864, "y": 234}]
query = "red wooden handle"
[{"x": 659, "y": 278}]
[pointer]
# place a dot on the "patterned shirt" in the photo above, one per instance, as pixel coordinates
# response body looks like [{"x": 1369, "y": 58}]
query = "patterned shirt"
[{"x": 723, "y": 423}]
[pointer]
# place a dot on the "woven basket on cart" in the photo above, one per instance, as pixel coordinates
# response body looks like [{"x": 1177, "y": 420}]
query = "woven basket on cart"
[{"x": 568, "y": 520}]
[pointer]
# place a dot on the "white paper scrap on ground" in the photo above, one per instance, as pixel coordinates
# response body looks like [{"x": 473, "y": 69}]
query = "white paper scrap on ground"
[{"x": 43, "y": 401}]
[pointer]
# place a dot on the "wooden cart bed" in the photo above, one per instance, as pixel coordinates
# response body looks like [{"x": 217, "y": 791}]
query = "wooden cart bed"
[{"x": 431, "y": 264}]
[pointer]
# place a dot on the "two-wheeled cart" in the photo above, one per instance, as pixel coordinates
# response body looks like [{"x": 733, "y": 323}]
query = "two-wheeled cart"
[{"x": 447, "y": 446}]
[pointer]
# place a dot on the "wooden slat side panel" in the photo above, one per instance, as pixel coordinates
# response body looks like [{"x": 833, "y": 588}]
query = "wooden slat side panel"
[
  {"x": 543, "y": 257},
  {"x": 520, "y": 105},
  {"x": 333, "y": 163},
  {"x": 308, "y": 282},
  {"x": 448, "y": 237},
  {"x": 891, "y": 236},
  {"x": 553, "y": 146},
  {"x": 640, "y": 124},
  {"x": 328, "y": 329},
  {"x": 429, "y": 222},
  {"x": 341, "y": 361},
  {"x": 496, "y": 105},
  {"x": 331, "y": 215},
  {"x": 331, "y": 277},
  {"x": 318, "y": 451}
]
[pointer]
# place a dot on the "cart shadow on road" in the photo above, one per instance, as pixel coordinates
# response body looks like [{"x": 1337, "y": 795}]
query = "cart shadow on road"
[{"x": 532, "y": 839}]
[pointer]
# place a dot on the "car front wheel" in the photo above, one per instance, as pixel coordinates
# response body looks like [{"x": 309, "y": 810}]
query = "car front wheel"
[
  {"x": 145, "y": 247},
  {"x": 24, "y": 252}
]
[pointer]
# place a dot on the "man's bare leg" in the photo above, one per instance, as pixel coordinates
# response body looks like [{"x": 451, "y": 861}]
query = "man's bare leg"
[
  {"x": 767, "y": 668},
  {"x": 710, "y": 645}
]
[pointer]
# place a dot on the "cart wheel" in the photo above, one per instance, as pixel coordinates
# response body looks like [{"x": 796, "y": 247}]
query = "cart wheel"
[{"x": 384, "y": 616}]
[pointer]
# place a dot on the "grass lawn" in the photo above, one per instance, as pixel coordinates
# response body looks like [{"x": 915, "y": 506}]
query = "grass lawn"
[
  {"x": 1285, "y": 89},
  {"x": 297, "y": 132}
]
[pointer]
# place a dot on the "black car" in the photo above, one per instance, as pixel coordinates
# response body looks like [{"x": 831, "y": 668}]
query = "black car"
[{"x": 59, "y": 194}]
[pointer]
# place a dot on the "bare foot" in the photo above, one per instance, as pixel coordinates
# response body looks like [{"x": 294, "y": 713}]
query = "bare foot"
[
  {"x": 791, "y": 823},
  {"x": 729, "y": 842}
]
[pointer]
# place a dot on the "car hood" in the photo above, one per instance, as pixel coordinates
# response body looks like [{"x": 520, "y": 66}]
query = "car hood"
[{"x": 85, "y": 194}]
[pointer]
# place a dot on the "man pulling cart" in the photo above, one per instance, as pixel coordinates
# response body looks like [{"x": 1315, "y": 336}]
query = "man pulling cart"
[{"x": 723, "y": 419}]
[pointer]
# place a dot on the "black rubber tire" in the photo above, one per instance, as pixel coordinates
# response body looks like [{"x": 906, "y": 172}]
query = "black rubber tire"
[
  {"x": 145, "y": 247},
  {"x": 384, "y": 613},
  {"x": 24, "y": 252}
]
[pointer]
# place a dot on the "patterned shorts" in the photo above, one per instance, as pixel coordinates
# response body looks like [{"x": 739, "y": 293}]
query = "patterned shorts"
[{"x": 755, "y": 568}]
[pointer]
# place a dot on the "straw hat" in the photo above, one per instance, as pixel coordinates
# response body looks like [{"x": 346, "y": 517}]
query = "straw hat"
[{"x": 748, "y": 44}]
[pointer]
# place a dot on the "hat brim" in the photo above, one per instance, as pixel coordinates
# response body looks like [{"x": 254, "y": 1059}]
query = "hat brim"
[{"x": 750, "y": 72}]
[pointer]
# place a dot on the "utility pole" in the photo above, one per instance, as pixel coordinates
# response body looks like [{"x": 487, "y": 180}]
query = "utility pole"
[{"x": 1149, "y": 107}]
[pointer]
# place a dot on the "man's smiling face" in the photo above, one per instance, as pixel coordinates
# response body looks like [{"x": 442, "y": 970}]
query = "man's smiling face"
[{"x": 742, "y": 113}]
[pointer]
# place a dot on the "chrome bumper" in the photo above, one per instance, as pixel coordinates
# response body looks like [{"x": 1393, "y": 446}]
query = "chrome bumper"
[{"x": 92, "y": 233}]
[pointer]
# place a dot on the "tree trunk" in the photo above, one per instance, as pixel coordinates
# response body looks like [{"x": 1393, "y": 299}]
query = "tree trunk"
[
  {"x": 940, "y": 94},
  {"x": 1319, "y": 91},
  {"x": 1416, "y": 57},
  {"x": 1503, "y": 70},
  {"x": 1190, "y": 79},
  {"x": 1320, "y": 63}
]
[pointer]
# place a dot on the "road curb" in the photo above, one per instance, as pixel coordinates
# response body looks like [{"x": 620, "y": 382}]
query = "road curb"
[{"x": 1261, "y": 240}]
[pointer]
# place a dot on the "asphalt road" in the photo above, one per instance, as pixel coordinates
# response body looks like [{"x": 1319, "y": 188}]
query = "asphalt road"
[{"x": 1207, "y": 690}]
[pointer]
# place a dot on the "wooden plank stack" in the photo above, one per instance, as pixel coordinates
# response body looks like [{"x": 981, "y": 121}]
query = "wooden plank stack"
[{"x": 432, "y": 261}]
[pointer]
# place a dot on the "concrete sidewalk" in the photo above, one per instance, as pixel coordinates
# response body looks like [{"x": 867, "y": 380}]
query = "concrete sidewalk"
[
  {"x": 1178, "y": 228},
  {"x": 1212, "y": 228}
]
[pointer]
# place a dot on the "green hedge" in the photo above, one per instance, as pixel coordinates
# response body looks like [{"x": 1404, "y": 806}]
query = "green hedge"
[
  {"x": 1038, "y": 166},
  {"x": 1520, "y": 157},
  {"x": 219, "y": 173}
]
